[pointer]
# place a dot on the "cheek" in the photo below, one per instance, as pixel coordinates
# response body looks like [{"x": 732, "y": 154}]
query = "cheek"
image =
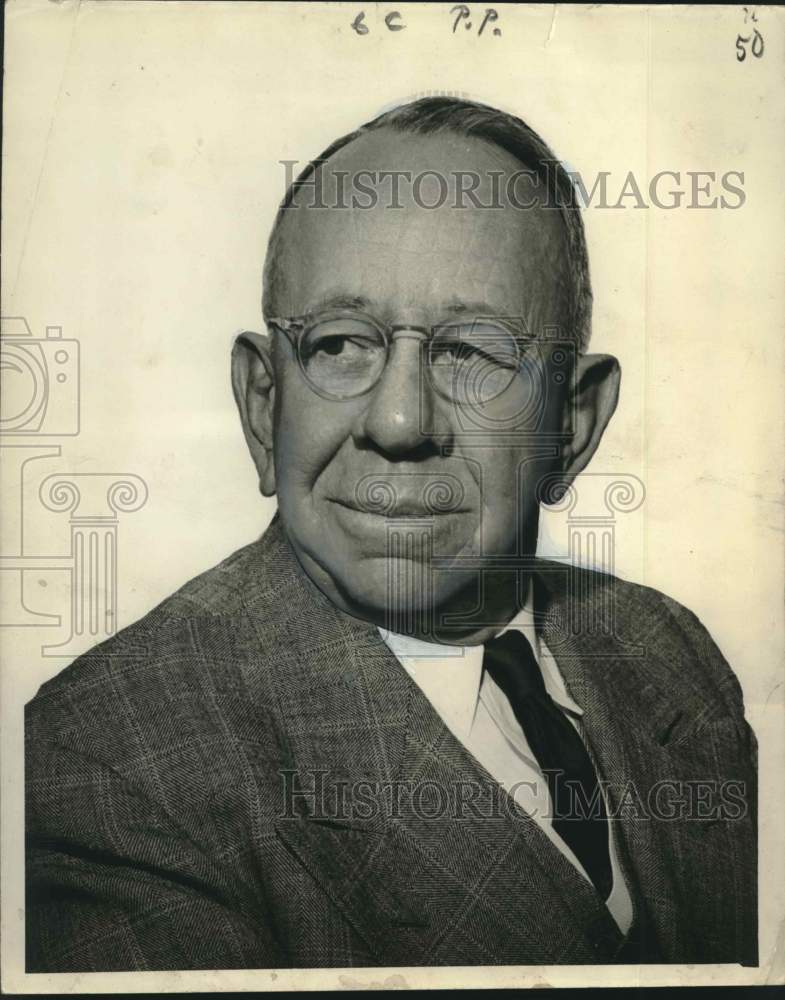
[
  {"x": 509, "y": 493},
  {"x": 508, "y": 487},
  {"x": 308, "y": 432}
]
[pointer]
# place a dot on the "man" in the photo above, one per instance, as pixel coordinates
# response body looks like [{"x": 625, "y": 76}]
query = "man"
[{"x": 385, "y": 733}]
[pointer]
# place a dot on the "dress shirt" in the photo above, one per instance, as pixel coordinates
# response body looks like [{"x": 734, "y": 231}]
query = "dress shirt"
[{"x": 479, "y": 715}]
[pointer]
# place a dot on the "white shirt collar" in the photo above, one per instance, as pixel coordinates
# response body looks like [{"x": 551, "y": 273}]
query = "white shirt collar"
[{"x": 451, "y": 676}]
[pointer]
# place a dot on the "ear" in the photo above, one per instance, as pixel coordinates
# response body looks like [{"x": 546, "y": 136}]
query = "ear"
[
  {"x": 253, "y": 384},
  {"x": 591, "y": 404}
]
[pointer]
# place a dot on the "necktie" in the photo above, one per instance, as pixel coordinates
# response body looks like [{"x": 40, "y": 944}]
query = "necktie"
[{"x": 578, "y": 808}]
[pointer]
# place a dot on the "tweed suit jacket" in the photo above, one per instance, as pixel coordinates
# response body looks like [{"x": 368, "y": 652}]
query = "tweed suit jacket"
[{"x": 184, "y": 780}]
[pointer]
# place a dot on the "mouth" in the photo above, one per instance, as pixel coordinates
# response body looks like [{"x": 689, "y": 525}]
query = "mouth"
[{"x": 401, "y": 508}]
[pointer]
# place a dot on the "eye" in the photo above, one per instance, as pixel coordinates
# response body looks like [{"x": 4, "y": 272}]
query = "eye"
[
  {"x": 340, "y": 351},
  {"x": 341, "y": 340},
  {"x": 473, "y": 362},
  {"x": 461, "y": 351},
  {"x": 337, "y": 344},
  {"x": 330, "y": 345}
]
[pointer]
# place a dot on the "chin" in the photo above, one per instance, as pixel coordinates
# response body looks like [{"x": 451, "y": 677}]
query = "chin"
[{"x": 389, "y": 590}]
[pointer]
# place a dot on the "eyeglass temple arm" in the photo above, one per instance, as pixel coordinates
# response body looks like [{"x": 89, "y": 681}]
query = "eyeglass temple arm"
[{"x": 288, "y": 327}]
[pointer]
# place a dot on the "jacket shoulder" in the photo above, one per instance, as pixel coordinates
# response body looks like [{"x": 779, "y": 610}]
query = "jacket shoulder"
[
  {"x": 146, "y": 683},
  {"x": 661, "y": 636}
]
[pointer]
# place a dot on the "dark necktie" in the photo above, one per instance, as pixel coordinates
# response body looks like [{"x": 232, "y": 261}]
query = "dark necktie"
[{"x": 578, "y": 809}]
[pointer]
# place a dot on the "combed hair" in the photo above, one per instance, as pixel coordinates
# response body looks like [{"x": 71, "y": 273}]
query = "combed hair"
[{"x": 435, "y": 115}]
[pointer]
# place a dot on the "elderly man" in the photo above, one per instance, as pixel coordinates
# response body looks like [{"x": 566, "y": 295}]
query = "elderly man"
[{"x": 377, "y": 736}]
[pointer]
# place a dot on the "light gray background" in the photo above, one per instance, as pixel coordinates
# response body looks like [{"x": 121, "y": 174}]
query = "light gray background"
[{"x": 141, "y": 175}]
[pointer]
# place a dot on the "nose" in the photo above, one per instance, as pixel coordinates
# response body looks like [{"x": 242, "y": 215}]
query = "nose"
[{"x": 400, "y": 414}]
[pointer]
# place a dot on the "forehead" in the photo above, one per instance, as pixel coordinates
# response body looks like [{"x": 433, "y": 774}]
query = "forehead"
[{"x": 435, "y": 248}]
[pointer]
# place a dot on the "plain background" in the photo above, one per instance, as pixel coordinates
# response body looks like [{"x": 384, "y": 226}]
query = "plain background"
[{"x": 141, "y": 174}]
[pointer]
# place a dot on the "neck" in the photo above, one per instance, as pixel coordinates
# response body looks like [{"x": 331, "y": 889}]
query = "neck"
[{"x": 471, "y": 616}]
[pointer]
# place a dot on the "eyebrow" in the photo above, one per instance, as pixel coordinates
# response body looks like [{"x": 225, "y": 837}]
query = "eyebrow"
[
  {"x": 340, "y": 301},
  {"x": 453, "y": 308},
  {"x": 456, "y": 307}
]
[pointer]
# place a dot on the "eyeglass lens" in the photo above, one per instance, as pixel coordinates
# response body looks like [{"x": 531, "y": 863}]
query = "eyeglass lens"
[{"x": 470, "y": 362}]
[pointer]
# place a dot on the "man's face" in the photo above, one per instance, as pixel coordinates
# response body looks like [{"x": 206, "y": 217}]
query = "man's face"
[{"x": 362, "y": 482}]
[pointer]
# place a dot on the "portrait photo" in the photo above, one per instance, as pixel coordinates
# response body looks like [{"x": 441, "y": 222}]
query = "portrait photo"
[{"x": 392, "y": 468}]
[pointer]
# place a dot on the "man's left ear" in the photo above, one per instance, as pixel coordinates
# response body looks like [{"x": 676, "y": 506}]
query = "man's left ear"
[{"x": 593, "y": 398}]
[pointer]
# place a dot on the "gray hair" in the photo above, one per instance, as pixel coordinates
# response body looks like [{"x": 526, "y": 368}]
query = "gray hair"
[{"x": 434, "y": 115}]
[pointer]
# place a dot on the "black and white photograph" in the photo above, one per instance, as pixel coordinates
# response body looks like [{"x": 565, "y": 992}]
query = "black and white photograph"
[{"x": 392, "y": 468}]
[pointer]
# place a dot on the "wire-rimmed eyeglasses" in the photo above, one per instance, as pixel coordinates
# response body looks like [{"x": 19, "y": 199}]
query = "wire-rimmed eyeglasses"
[{"x": 342, "y": 355}]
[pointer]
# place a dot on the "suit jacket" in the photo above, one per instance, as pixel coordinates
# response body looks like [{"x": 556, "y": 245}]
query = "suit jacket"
[{"x": 182, "y": 781}]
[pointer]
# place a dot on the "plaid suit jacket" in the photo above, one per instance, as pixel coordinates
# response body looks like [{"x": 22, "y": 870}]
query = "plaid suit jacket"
[{"x": 248, "y": 778}]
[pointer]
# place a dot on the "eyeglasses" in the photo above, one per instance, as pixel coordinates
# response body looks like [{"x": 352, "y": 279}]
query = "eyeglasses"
[{"x": 342, "y": 354}]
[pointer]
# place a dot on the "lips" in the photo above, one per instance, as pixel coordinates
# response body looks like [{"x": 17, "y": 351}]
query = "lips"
[
  {"x": 401, "y": 507},
  {"x": 400, "y": 494}
]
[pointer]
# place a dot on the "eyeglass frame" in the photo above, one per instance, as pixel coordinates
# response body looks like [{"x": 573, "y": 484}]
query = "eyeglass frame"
[{"x": 298, "y": 326}]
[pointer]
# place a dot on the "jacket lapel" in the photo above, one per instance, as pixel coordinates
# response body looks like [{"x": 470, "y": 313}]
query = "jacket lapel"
[
  {"x": 408, "y": 835},
  {"x": 650, "y": 724},
  {"x": 515, "y": 892}
]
